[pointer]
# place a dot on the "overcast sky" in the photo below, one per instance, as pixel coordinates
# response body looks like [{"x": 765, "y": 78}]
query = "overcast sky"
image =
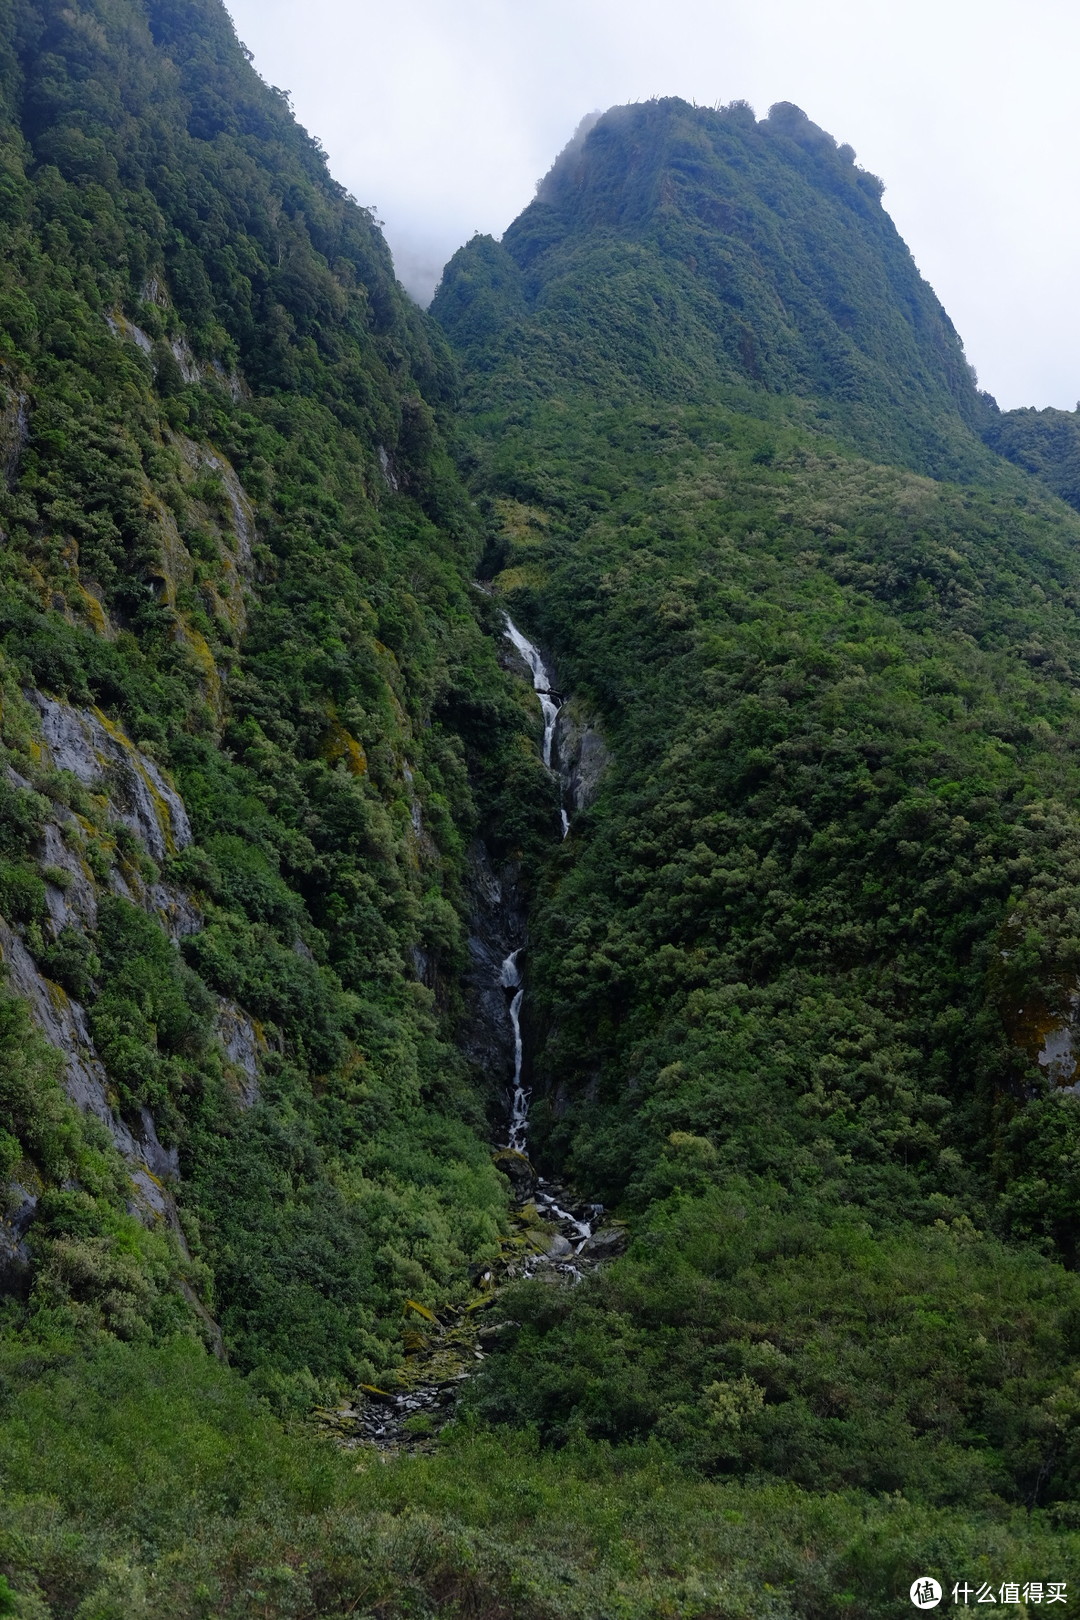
[{"x": 443, "y": 114}]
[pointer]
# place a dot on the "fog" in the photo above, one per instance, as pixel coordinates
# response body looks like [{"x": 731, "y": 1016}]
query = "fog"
[{"x": 444, "y": 117}]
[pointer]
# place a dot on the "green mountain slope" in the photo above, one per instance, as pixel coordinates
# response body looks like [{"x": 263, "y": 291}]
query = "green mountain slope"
[
  {"x": 235, "y": 569},
  {"x": 805, "y": 975},
  {"x": 790, "y": 979},
  {"x": 1045, "y": 443},
  {"x": 681, "y": 252}
]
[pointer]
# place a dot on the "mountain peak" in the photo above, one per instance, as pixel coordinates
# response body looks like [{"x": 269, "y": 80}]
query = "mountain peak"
[{"x": 679, "y": 248}]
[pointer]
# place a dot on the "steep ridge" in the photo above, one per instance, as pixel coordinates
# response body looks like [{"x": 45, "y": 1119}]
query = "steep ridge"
[
  {"x": 805, "y": 978},
  {"x": 683, "y": 253},
  {"x": 252, "y": 720}
]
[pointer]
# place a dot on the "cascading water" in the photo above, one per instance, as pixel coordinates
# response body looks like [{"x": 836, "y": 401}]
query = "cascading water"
[
  {"x": 578, "y": 1232},
  {"x": 543, "y": 685},
  {"x": 567, "y": 1226},
  {"x": 510, "y": 979},
  {"x": 510, "y": 976}
]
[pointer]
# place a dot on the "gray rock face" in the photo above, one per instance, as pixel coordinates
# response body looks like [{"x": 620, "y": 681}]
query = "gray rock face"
[
  {"x": 583, "y": 757},
  {"x": 190, "y": 369},
  {"x": 101, "y": 756},
  {"x": 14, "y": 428},
  {"x": 178, "y": 913},
  {"x": 238, "y": 1035},
  {"x": 63, "y": 1023},
  {"x": 605, "y": 1244},
  {"x": 75, "y": 905},
  {"x": 15, "y": 1221},
  {"x": 243, "y": 514},
  {"x": 121, "y": 327}
]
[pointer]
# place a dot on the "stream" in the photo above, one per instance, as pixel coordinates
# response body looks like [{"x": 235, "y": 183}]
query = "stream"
[
  {"x": 575, "y": 1230},
  {"x": 510, "y": 977},
  {"x": 554, "y": 1232}
]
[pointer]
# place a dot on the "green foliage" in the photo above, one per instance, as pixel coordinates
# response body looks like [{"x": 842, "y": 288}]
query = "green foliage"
[
  {"x": 97, "y": 1270},
  {"x": 793, "y": 972},
  {"x": 762, "y": 1340},
  {"x": 231, "y": 526},
  {"x": 150, "y": 1021},
  {"x": 147, "y": 1481},
  {"x": 1045, "y": 443},
  {"x": 685, "y": 253},
  {"x": 790, "y": 977}
]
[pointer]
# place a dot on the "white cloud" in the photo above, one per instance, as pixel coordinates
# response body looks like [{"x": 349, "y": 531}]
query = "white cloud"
[{"x": 444, "y": 116}]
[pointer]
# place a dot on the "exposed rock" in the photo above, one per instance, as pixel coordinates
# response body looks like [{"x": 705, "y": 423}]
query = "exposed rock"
[
  {"x": 231, "y": 381},
  {"x": 582, "y": 754},
  {"x": 243, "y": 513},
  {"x": 189, "y": 366},
  {"x": 15, "y": 1221},
  {"x": 517, "y": 1169},
  {"x": 496, "y": 928},
  {"x": 164, "y": 1163},
  {"x": 559, "y": 1248},
  {"x": 14, "y": 428},
  {"x": 240, "y": 1038},
  {"x": 179, "y": 914},
  {"x": 63, "y": 1023},
  {"x": 121, "y": 327},
  {"x": 102, "y": 756},
  {"x": 386, "y": 467},
  {"x": 603, "y": 1245},
  {"x": 74, "y": 905},
  {"x": 1058, "y": 1056}
]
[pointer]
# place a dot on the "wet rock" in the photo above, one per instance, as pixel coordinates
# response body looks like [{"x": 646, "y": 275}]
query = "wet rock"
[
  {"x": 386, "y": 467},
  {"x": 496, "y": 928},
  {"x": 423, "y": 966},
  {"x": 582, "y": 754},
  {"x": 1060, "y": 1049},
  {"x": 605, "y": 1244},
  {"x": 15, "y": 1221},
  {"x": 14, "y": 429},
  {"x": 517, "y": 1169},
  {"x": 560, "y": 1248}
]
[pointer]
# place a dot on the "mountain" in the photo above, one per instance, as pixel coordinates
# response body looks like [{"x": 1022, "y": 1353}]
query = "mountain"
[
  {"x": 684, "y": 253},
  {"x": 804, "y": 977},
  {"x": 800, "y": 984}
]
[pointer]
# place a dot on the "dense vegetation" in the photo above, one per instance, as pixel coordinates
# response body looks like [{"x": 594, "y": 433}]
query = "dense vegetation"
[
  {"x": 185, "y": 292},
  {"x": 789, "y": 979},
  {"x": 795, "y": 969}
]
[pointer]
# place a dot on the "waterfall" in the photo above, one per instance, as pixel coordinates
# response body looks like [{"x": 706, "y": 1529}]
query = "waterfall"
[
  {"x": 510, "y": 974},
  {"x": 550, "y": 702},
  {"x": 510, "y": 979}
]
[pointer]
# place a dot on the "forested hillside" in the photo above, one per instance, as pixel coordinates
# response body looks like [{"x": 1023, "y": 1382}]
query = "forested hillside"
[
  {"x": 801, "y": 983},
  {"x": 805, "y": 975}
]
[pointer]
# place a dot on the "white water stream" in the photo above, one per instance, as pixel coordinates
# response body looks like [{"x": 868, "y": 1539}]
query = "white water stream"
[
  {"x": 510, "y": 973},
  {"x": 543, "y": 685}
]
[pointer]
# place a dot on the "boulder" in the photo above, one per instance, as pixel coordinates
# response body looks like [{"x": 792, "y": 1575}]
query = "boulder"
[{"x": 605, "y": 1244}]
